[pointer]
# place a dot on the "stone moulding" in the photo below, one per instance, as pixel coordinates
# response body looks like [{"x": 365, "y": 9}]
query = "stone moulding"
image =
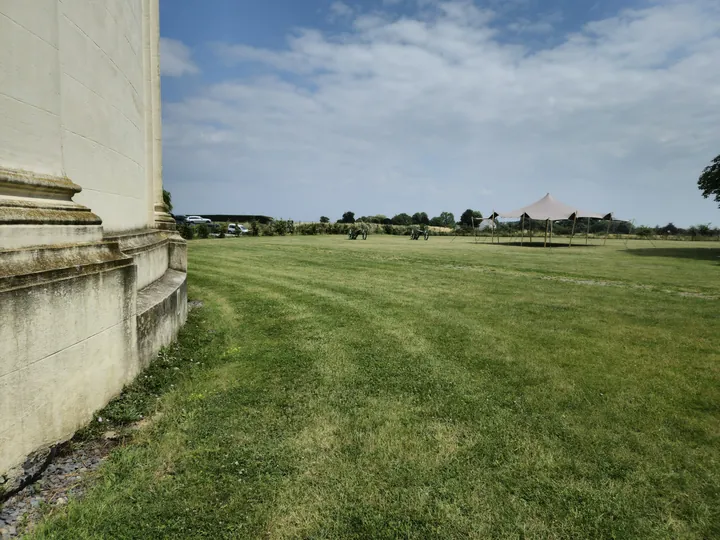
[
  {"x": 32, "y": 199},
  {"x": 163, "y": 220},
  {"x": 30, "y": 267},
  {"x": 136, "y": 242},
  {"x": 28, "y": 184},
  {"x": 38, "y": 210},
  {"x": 142, "y": 244}
]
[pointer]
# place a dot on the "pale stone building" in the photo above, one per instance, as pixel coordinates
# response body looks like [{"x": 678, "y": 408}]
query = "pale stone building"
[{"x": 92, "y": 274}]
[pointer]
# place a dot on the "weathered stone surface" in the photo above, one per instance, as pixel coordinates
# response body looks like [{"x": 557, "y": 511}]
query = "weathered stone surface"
[
  {"x": 150, "y": 253},
  {"x": 161, "y": 312},
  {"x": 67, "y": 346},
  {"x": 92, "y": 276}
]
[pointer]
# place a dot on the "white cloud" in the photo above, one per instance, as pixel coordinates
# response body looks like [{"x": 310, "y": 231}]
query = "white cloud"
[
  {"x": 543, "y": 25},
  {"x": 339, "y": 10},
  {"x": 437, "y": 112},
  {"x": 175, "y": 59}
]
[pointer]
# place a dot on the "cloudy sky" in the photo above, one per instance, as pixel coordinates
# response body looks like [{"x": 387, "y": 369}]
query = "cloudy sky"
[{"x": 303, "y": 108}]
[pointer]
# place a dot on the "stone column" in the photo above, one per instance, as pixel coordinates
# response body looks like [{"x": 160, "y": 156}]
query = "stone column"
[
  {"x": 163, "y": 220},
  {"x": 36, "y": 198},
  {"x": 147, "y": 100}
]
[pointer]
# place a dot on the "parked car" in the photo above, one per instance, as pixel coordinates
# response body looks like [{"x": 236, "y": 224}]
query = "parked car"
[
  {"x": 236, "y": 229},
  {"x": 180, "y": 220},
  {"x": 194, "y": 220}
]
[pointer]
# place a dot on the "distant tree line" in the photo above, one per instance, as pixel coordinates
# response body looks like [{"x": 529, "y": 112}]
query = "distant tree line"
[
  {"x": 445, "y": 219},
  {"x": 694, "y": 231}
]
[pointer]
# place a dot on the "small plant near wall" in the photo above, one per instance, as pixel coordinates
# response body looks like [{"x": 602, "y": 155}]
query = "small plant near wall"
[
  {"x": 203, "y": 231},
  {"x": 186, "y": 231}
]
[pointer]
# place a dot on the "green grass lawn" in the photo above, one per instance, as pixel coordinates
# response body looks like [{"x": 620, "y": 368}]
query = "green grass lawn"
[{"x": 441, "y": 389}]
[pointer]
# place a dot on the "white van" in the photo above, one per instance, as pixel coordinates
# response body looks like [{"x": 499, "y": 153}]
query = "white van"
[{"x": 236, "y": 229}]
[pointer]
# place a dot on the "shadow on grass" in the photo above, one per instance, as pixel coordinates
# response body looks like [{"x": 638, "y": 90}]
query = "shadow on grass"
[
  {"x": 698, "y": 253},
  {"x": 540, "y": 244}
]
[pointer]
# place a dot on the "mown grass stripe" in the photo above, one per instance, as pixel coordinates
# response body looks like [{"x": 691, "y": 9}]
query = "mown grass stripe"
[{"x": 359, "y": 390}]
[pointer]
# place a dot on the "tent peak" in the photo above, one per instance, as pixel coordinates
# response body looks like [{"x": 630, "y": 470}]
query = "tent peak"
[{"x": 548, "y": 208}]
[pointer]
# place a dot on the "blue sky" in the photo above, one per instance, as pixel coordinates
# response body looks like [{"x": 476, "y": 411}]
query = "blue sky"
[{"x": 304, "y": 108}]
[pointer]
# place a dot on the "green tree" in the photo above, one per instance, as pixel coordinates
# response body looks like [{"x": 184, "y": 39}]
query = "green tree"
[
  {"x": 670, "y": 228},
  {"x": 402, "y": 219},
  {"x": 467, "y": 217},
  {"x": 348, "y": 217},
  {"x": 167, "y": 199},
  {"x": 282, "y": 226},
  {"x": 324, "y": 219},
  {"x": 447, "y": 219},
  {"x": 420, "y": 218},
  {"x": 623, "y": 227},
  {"x": 709, "y": 181}
]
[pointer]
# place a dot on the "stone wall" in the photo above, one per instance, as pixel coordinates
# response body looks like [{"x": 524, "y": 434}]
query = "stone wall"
[
  {"x": 92, "y": 274},
  {"x": 73, "y": 103}
]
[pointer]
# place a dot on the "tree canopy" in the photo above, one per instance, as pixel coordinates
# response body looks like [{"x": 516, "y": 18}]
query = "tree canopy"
[
  {"x": 466, "y": 219},
  {"x": 348, "y": 217},
  {"x": 402, "y": 219},
  {"x": 709, "y": 181},
  {"x": 167, "y": 199},
  {"x": 670, "y": 228},
  {"x": 448, "y": 219},
  {"x": 324, "y": 219},
  {"x": 445, "y": 219},
  {"x": 420, "y": 218},
  {"x": 378, "y": 218}
]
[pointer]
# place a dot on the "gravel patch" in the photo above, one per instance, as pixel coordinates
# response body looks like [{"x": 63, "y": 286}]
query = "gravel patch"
[{"x": 60, "y": 482}]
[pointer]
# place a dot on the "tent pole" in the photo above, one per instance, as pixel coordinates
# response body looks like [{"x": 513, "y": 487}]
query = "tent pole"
[
  {"x": 522, "y": 230},
  {"x": 551, "y": 224},
  {"x": 531, "y": 223},
  {"x": 608, "y": 232},
  {"x": 573, "y": 230},
  {"x": 474, "y": 229},
  {"x": 492, "y": 228},
  {"x": 587, "y": 233},
  {"x": 546, "y": 229}
]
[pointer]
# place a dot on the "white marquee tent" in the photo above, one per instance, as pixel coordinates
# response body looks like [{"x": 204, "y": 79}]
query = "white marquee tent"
[{"x": 549, "y": 209}]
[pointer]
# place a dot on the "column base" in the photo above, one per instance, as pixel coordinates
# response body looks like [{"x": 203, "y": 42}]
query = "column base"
[
  {"x": 163, "y": 220},
  {"x": 37, "y": 210}
]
